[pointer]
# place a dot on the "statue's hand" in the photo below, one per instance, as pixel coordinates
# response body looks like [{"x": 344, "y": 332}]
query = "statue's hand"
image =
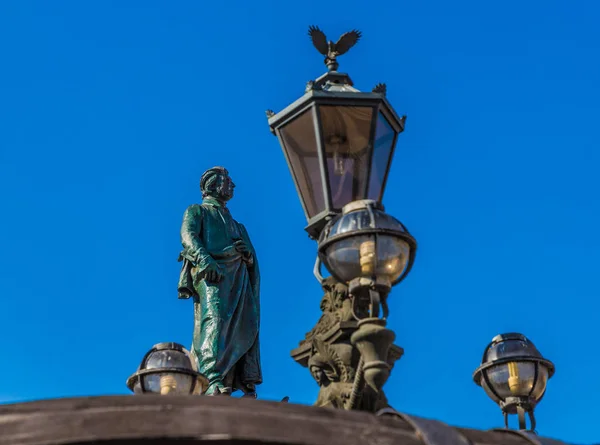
[
  {"x": 213, "y": 273},
  {"x": 242, "y": 248}
]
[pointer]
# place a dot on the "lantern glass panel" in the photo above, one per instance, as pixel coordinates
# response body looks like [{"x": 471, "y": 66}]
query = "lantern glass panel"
[
  {"x": 392, "y": 256},
  {"x": 343, "y": 257},
  {"x": 513, "y": 379},
  {"x": 367, "y": 256},
  {"x": 488, "y": 391},
  {"x": 346, "y": 133},
  {"x": 540, "y": 383},
  {"x": 382, "y": 151},
  {"x": 167, "y": 358},
  {"x": 511, "y": 348},
  {"x": 300, "y": 145},
  {"x": 168, "y": 383}
]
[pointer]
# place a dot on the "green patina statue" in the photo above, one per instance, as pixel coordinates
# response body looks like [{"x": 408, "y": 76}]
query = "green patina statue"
[{"x": 220, "y": 272}]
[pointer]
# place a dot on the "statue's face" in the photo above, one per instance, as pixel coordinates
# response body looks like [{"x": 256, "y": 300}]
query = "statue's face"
[
  {"x": 317, "y": 374},
  {"x": 225, "y": 188}
]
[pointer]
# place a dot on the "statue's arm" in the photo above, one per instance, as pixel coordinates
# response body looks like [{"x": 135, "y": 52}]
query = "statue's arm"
[
  {"x": 251, "y": 260},
  {"x": 191, "y": 229}
]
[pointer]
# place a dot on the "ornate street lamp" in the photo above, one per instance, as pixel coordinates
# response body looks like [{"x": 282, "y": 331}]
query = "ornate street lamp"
[
  {"x": 167, "y": 368},
  {"x": 338, "y": 141},
  {"x": 514, "y": 374}
]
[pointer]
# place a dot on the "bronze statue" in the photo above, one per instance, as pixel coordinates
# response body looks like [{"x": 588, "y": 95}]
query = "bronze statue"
[{"x": 220, "y": 272}]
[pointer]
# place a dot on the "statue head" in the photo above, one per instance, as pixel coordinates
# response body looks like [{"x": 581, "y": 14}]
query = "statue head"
[
  {"x": 317, "y": 374},
  {"x": 216, "y": 183},
  {"x": 316, "y": 365}
]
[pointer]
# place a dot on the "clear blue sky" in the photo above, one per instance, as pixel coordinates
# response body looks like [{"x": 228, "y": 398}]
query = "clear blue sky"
[{"x": 110, "y": 111}]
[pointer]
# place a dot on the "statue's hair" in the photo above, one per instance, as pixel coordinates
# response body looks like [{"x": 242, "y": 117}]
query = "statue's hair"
[
  {"x": 316, "y": 360},
  {"x": 209, "y": 179}
]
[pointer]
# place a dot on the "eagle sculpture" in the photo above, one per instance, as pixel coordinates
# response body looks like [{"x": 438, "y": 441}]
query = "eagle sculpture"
[{"x": 329, "y": 49}]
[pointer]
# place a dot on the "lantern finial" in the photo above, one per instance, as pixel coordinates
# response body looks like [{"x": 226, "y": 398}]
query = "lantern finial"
[{"x": 331, "y": 50}]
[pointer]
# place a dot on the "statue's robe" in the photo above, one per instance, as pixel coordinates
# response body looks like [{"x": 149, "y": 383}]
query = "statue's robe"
[{"x": 227, "y": 313}]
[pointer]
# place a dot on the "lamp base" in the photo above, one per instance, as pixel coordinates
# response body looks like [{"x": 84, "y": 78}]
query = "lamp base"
[
  {"x": 519, "y": 406},
  {"x": 334, "y": 361}
]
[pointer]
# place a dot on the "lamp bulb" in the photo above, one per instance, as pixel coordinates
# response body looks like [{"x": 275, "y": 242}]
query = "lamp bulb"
[
  {"x": 514, "y": 383},
  {"x": 167, "y": 384},
  {"x": 367, "y": 257}
]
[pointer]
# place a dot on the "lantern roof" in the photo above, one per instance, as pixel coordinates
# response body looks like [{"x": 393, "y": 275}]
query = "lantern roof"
[{"x": 335, "y": 85}]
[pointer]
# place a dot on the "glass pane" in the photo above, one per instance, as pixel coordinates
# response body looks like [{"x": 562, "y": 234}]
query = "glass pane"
[
  {"x": 384, "y": 138},
  {"x": 300, "y": 145},
  {"x": 361, "y": 219},
  {"x": 392, "y": 257},
  {"x": 168, "y": 383},
  {"x": 540, "y": 383},
  {"x": 343, "y": 258},
  {"x": 512, "y": 348},
  {"x": 168, "y": 358},
  {"x": 367, "y": 256},
  {"x": 512, "y": 379},
  {"x": 346, "y": 132}
]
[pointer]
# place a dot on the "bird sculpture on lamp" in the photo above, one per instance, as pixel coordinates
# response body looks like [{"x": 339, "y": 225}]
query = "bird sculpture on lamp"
[{"x": 332, "y": 50}]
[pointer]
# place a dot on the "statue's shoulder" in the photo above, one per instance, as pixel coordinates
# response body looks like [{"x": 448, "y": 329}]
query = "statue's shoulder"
[
  {"x": 194, "y": 210},
  {"x": 243, "y": 229}
]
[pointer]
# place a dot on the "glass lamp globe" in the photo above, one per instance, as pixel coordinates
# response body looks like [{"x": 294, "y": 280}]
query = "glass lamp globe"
[
  {"x": 514, "y": 374},
  {"x": 366, "y": 242},
  {"x": 167, "y": 369}
]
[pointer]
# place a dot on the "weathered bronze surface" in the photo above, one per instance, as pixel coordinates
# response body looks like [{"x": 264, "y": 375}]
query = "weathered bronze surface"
[
  {"x": 183, "y": 420},
  {"x": 331, "y": 50},
  {"x": 220, "y": 272},
  {"x": 334, "y": 360}
]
